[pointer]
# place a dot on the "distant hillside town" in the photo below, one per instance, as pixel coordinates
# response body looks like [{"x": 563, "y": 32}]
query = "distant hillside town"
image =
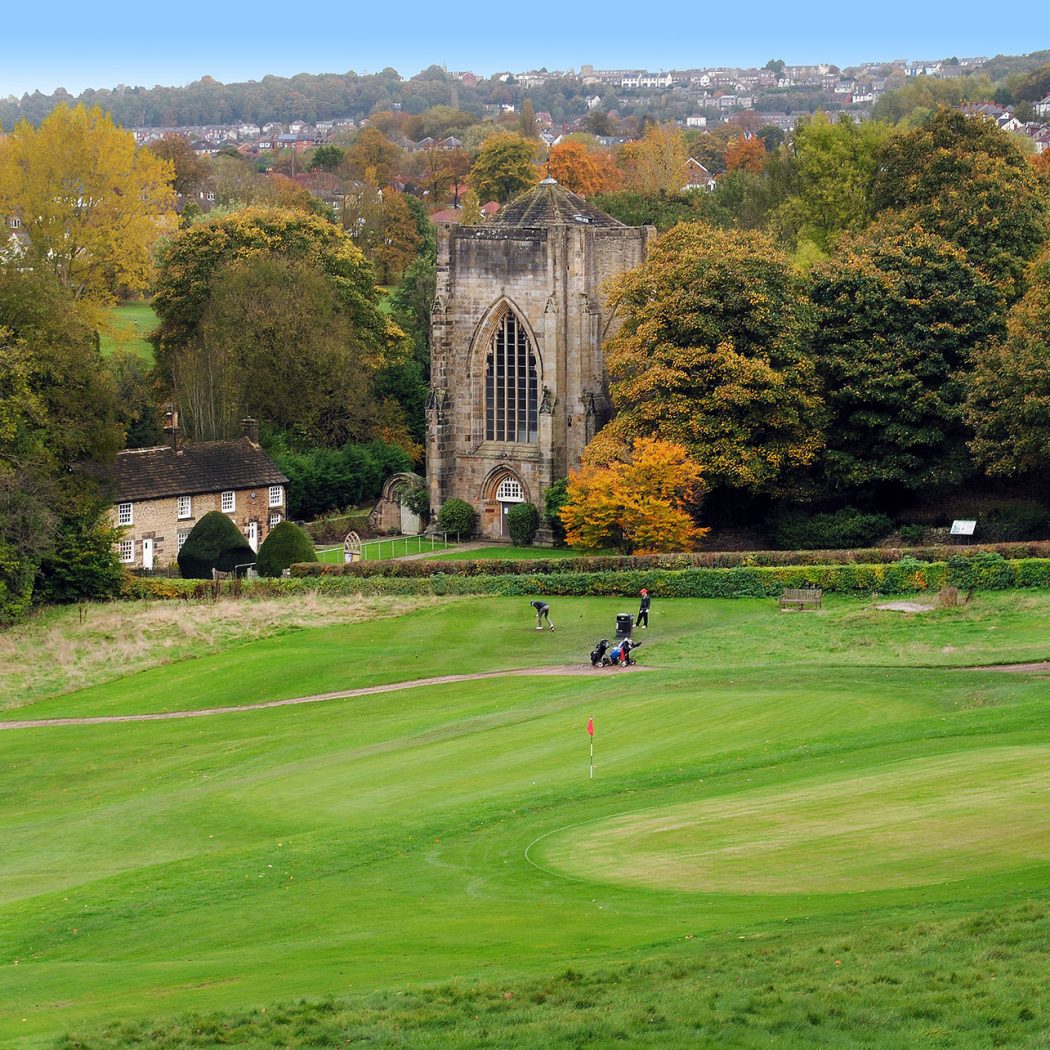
[{"x": 321, "y": 105}]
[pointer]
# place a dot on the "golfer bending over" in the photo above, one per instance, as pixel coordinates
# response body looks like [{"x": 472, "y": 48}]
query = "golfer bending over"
[{"x": 543, "y": 612}]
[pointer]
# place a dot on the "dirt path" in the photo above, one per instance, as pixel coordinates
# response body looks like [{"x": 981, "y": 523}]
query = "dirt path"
[
  {"x": 392, "y": 687},
  {"x": 455, "y": 549},
  {"x": 1042, "y": 667}
]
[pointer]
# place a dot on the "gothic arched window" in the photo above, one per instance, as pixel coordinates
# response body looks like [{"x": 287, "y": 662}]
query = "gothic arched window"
[{"x": 510, "y": 384}]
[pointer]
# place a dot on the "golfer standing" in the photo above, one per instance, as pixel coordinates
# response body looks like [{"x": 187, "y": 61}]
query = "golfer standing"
[
  {"x": 543, "y": 612},
  {"x": 643, "y": 611}
]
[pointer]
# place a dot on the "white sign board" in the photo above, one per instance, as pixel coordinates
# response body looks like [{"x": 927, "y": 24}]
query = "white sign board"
[{"x": 963, "y": 528}]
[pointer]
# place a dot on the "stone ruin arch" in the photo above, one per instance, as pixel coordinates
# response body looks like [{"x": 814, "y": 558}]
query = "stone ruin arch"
[{"x": 390, "y": 514}]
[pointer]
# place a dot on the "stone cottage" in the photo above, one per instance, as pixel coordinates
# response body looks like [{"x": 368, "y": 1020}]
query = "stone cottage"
[
  {"x": 160, "y": 493},
  {"x": 518, "y": 381}
]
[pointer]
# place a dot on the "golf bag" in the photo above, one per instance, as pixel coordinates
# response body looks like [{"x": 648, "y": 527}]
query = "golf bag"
[
  {"x": 598, "y": 653},
  {"x": 620, "y": 653}
]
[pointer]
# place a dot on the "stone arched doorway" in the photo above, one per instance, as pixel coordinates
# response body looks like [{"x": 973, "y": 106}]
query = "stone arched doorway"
[
  {"x": 502, "y": 491},
  {"x": 391, "y": 514}
]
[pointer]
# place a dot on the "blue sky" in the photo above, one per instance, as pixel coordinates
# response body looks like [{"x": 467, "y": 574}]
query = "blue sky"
[{"x": 59, "y": 44}]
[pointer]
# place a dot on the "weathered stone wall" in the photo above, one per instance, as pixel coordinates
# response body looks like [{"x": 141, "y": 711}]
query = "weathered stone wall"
[
  {"x": 553, "y": 278},
  {"x": 158, "y": 520}
]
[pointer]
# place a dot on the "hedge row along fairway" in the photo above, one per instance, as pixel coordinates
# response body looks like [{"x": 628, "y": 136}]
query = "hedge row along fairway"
[
  {"x": 803, "y": 829},
  {"x": 908, "y": 576}
]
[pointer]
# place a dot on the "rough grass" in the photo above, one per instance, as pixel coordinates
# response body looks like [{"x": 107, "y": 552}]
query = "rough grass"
[
  {"x": 886, "y": 986},
  {"x": 66, "y": 648},
  {"x": 383, "y": 857}
]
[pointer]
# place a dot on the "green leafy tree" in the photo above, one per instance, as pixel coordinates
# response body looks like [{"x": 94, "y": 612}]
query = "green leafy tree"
[
  {"x": 554, "y": 498},
  {"x": 503, "y": 168},
  {"x": 286, "y": 545},
  {"x": 213, "y": 543},
  {"x": 206, "y": 328},
  {"x": 899, "y": 312},
  {"x": 831, "y": 174},
  {"x": 713, "y": 353},
  {"x": 967, "y": 181},
  {"x": 327, "y": 158},
  {"x": 1008, "y": 397},
  {"x": 57, "y": 412}
]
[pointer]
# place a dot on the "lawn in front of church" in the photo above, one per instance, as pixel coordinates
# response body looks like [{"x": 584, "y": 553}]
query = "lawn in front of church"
[{"x": 803, "y": 829}]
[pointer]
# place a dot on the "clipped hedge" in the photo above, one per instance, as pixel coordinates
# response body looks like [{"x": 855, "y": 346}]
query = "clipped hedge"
[
  {"x": 670, "y": 562},
  {"x": 907, "y": 576}
]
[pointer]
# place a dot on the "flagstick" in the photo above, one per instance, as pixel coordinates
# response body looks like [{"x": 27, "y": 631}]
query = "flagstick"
[{"x": 592, "y": 759}]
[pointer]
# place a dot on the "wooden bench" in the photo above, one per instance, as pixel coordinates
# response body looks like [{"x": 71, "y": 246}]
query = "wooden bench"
[{"x": 801, "y": 598}]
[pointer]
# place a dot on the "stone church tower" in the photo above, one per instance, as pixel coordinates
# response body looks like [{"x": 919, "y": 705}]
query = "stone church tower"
[{"x": 518, "y": 382}]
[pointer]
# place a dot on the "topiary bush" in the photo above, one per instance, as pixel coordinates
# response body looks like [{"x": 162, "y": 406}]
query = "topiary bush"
[
  {"x": 523, "y": 520},
  {"x": 213, "y": 543},
  {"x": 849, "y": 527},
  {"x": 457, "y": 516},
  {"x": 286, "y": 545}
]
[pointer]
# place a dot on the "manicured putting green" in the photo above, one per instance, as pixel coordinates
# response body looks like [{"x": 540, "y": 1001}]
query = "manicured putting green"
[{"x": 912, "y": 823}]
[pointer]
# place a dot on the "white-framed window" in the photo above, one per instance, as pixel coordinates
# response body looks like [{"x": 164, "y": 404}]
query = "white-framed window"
[
  {"x": 182, "y": 537},
  {"x": 127, "y": 551},
  {"x": 124, "y": 514},
  {"x": 229, "y": 502},
  {"x": 14, "y": 222},
  {"x": 185, "y": 507},
  {"x": 276, "y": 495},
  {"x": 275, "y": 519},
  {"x": 509, "y": 491}
]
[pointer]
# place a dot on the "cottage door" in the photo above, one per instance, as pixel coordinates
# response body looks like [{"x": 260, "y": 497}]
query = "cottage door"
[
  {"x": 253, "y": 536},
  {"x": 147, "y": 554}
]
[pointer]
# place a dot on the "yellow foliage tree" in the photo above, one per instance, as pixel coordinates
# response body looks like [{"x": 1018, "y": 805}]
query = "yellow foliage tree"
[
  {"x": 92, "y": 205},
  {"x": 635, "y": 500},
  {"x": 656, "y": 162}
]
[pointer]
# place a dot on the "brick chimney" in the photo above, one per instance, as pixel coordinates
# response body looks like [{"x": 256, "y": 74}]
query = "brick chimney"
[
  {"x": 171, "y": 426},
  {"x": 251, "y": 429}
]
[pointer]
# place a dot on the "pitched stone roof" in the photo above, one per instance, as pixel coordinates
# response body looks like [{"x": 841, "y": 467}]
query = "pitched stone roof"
[
  {"x": 549, "y": 204},
  {"x": 211, "y": 466}
]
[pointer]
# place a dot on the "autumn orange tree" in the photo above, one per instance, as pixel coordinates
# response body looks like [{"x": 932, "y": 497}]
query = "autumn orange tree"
[
  {"x": 582, "y": 170},
  {"x": 746, "y": 154},
  {"x": 636, "y": 500},
  {"x": 713, "y": 353}
]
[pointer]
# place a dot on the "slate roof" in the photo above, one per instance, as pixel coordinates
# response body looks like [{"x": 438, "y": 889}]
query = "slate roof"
[
  {"x": 549, "y": 204},
  {"x": 211, "y": 466}
]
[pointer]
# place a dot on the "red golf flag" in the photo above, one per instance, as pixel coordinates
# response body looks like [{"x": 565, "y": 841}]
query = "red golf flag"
[{"x": 590, "y": 726}]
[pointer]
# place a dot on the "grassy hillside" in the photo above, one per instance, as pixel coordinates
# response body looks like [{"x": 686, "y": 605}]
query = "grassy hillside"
[
  {"x": 132, "y": 322},
  {"x": 803, "y": 829}
]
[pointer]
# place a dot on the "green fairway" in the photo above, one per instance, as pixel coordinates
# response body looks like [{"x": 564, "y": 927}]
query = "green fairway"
[
  {"x": 132, "y": 321},
  {"x": 803, "y": 829}
]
